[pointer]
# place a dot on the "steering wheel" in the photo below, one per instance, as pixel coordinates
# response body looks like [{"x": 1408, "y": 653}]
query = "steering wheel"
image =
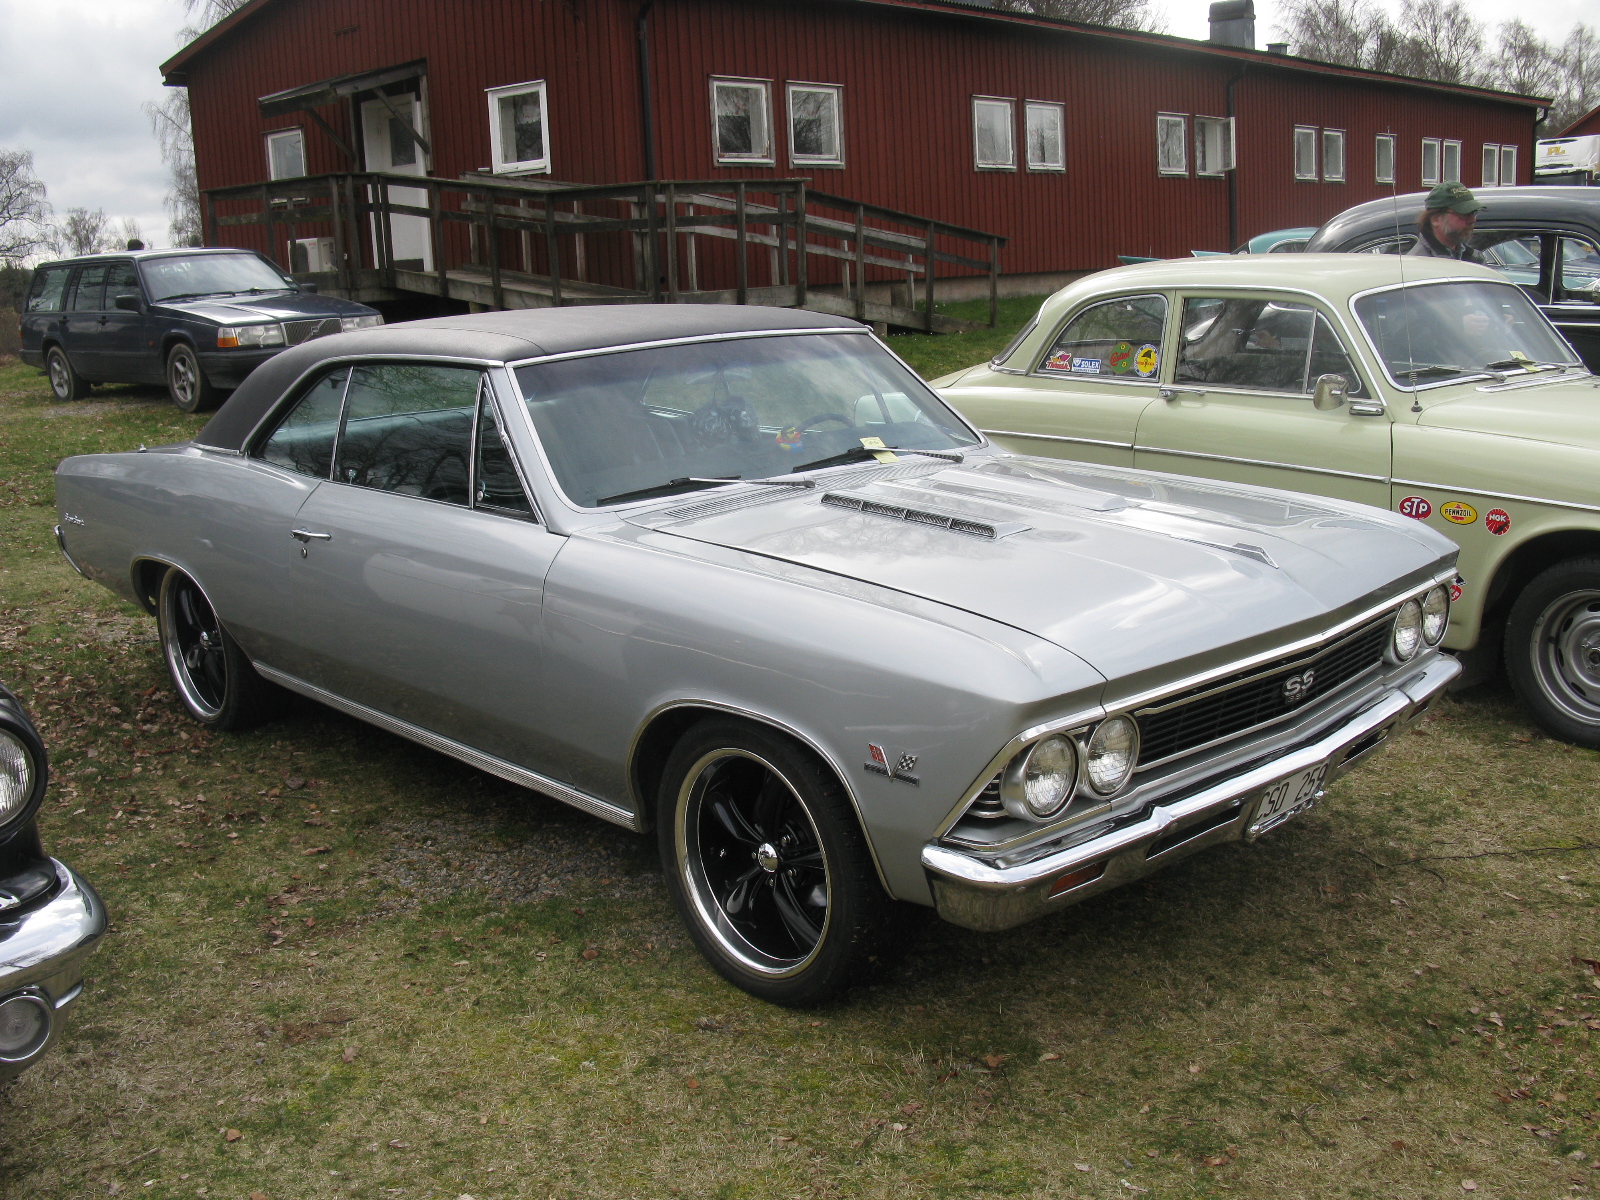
[{"x": 827, "y": 416}]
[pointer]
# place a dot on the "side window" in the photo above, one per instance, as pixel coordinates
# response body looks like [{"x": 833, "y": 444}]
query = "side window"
[
  {"x": 408, "y": 429},
  {"x": 1259, "y": 345},
  {"x": 122, "y": 279},
  {"x": 1329, "y": 357},
  {"x": 1390, "y": 245},
  {"x": 1579, "y": 263},
  {"x": 303, "y": 440},
  {"x": 49, "y": 286},
  {"x": 91, "y": 290},
  {"x": 1120, "y": 339},
  {"x": 498, "y": 487}
]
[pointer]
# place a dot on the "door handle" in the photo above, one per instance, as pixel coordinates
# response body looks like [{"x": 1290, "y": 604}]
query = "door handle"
[
  {"x": 305, "y": 535},
  {"x": 1167, "y": 393}
]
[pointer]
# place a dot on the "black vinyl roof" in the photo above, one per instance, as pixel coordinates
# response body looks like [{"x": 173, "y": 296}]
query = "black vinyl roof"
[
  {"x": 1576, "y": 208},
  {"x": 497, "y": 337}
]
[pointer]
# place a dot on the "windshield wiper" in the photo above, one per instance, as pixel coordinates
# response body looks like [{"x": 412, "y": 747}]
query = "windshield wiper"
[
  {"x": 694, "y": 482},
  {"x": 854, "y": 452},
  {"x": 190, "y": 296},
  {"x": 1416, "y": 369},
  {"x": 1526, "y": 364}
]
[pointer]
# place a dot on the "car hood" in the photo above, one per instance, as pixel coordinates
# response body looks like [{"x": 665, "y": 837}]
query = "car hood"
[
  {"x": 286, "y": 306},
  {"x": 1562, "y": 413},
  {"x": 1140, "y": 574}
]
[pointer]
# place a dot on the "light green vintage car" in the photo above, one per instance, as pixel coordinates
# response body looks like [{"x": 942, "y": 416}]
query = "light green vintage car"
[{"x": 1428, "y": 386}]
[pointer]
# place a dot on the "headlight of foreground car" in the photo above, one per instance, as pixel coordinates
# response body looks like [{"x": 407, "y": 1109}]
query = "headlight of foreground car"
[
  {"x": 19, "y": 776},
  {"x": 1040, "y": 781},
  {"x": 346, "y": 324},
  {"x": 231, "y": 336},
  {"x": 1112, "y": 752},
  {"x": 1435, "y": 615},
  {"x": 1406, "y": 639}
]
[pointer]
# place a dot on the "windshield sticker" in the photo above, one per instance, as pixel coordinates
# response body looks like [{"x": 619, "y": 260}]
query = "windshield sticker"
[
  {"x": 1416, "y": 507},
  {"x": 1146, "y": 361},
  {"x": 1121, "y": 358},
  {"x": 1086, "y": 366},
  {"x": 1458, "y": 513},
  {"x": 1061, "y": 360},
  {"x": 1456, "y": 585},
  {"x": 879, "y": 451},
  {"x": 1497, "y": 521},
  {"x": 789, "y": 440}
]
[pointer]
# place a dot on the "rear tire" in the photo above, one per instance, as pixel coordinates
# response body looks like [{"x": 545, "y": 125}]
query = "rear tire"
[
  {"x": 213, "y": 676},
  {"x": 187, "y": 383},
  {"x": 1553, "y": 650},
  {"x": 65, "y": 381}
]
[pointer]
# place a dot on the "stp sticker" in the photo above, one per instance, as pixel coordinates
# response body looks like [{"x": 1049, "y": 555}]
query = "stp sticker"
[
  {"x": 1497, "y": 521},
  {"x": 1458, "y": 513},
  {"x": 1417, "y": 507}
]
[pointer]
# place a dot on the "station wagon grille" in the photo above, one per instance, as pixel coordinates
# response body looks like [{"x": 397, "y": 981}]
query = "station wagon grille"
[
  {"x": 295, "y": 332},
  {"x": 1256, "y": 697}
]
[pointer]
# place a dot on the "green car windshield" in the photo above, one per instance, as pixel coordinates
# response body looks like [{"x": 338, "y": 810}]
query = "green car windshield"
[
  {"x": 1434, "y": 333},
  {"x": 636, "y": 424}
]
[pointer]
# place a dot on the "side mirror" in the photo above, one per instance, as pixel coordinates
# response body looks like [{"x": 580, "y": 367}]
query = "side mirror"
[
  {"x": 127, "y": 303},
  {"x": 1330, "y": 393},
  {"x": 309, "y": 287}
]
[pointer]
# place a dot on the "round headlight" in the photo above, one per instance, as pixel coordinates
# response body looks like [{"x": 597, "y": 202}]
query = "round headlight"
[
  {"x": 24, "y": 1026},
  {"x": 1407, "y": 639},
  {"x": 1112, "y": 752},
  {"x": 18, "y": 773},
  {"x": 1435, "y": 615},
  {"x": 1039, "y": 782}
]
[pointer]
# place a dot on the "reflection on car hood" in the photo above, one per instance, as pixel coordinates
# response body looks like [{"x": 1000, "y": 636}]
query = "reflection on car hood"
[
  {"x": 1131, "y": 571},
  {"x": 242, "y": 310},
  {"x": 1563, "y": 413}
]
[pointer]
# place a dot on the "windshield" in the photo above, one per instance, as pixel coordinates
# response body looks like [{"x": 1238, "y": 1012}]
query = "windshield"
[
  {"x": 655, "y": 421},
  {"x": 209, "y": 275},
  {"x": 1436, "y": 332}
]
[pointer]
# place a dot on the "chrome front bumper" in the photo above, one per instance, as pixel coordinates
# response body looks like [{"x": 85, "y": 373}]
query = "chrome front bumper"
[
  {"x": 42, "y": 954},
  {"x": 979, "y": 895}
]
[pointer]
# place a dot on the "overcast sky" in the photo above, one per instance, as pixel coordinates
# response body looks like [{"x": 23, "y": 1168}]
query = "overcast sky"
[{"x": 74, "y": 75}]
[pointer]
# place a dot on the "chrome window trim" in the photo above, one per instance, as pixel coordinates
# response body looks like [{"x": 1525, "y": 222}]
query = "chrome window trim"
[
  {"x": 1261, "y": 462},
  {"x": 1058, "y": 437},
  {"x": 502, "y": 425},
  {"x": 1465, "y": 491},
  {"x": 1037, "y": 369},
  {"x": 623, "y": 348}
]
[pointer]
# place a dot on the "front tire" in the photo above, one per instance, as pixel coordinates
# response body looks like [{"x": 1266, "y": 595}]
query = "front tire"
[
  {"x": 767, "y": 865},
  {"x": 213, "y": 676},
  {"x": 187, "y": 383},
  {"x": 1553, "y": 650},
  {"x": 65, "y": 381}
]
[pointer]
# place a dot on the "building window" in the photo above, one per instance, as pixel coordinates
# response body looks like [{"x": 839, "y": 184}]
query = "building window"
[
  {"x": 1451, "y": 167},
  {"x": 1333, "y": 156},
  {"x": 1508, "y": 166},
  {"x": 1491, "y": 165},
  {"x": 1305, "y": 152},
  {"x": 1172, "y": 144},
  {"x": 741, "y": 113},
  {"x": 286, "y": 154},
  {"x": 1213, "y": 145},
  {"x": 1047, "y": 150},
  {"x": 1430, "y": 161},
  {"x": 517, "y": 133},
  {"x": 814, "y": 125},
  {"x": 992, "y": 145},
  {"x": 1383, "y": 158}
]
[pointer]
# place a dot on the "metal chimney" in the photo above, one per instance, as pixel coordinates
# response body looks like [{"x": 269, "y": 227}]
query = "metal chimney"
[{"x": 1233, "y": 23}]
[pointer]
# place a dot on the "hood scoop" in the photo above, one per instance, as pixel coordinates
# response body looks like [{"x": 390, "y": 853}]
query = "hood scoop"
[
  {"x": 1243, "y": 549},
  {"x": 991, "y": 531}
]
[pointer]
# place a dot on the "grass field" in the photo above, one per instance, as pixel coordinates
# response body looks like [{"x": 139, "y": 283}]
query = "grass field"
[{"x": 341, "y": 965}]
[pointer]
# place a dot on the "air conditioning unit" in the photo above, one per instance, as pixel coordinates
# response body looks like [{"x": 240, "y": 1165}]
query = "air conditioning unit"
[{"x": 312, "y": 255}]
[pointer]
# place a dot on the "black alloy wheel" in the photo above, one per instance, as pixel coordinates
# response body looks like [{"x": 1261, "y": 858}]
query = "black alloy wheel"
[
  {"x": 1552, "y": 650},
  {"x": 768, "y": 865},
  {"x": 213, "y": 676},
  {"x": 65, "y": 381},
  {"x": 187, "y": 383}
]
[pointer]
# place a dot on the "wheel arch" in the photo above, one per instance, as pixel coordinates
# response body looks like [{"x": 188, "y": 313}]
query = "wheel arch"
[
  {"x": 170, "y": 339},
  {"x": 1527, "y": 560}
]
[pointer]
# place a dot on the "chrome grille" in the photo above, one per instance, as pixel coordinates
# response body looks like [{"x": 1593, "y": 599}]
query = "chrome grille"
[
  {"x": 1256, "y": 697},
  {"x": 295, "y": 332}
]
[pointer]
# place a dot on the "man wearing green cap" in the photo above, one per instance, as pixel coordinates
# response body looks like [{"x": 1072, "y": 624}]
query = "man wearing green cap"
[{"x": 1445, "y": 227}]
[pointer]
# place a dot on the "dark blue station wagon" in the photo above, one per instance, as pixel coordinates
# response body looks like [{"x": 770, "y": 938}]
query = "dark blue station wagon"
[{"x": 197, "y": 320}]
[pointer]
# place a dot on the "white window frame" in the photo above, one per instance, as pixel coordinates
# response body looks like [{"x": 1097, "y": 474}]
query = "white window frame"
[
  {"x": 1445, "y": 176},
  {"x": 1179, "y": 169},
  {"x": 1508, "y": 166},
  {"x": 277, "y": 135},
  {"x": 1377, "y": 158},
  {"x": 1202, "y": 125},
  {"x": 1491, "y": 164},
  {"x": 1334, "y": 137},
  {"x": 1060, "y": 113},
  {"x": 1430, "y": 179},
  {"x": 1009, "y": 103},
  {"x": 531, "y": 166},
  {"x": 816, "y": 160},
  {"x": 759, "y": 156},
  {"x": 1308, "y": 135}
]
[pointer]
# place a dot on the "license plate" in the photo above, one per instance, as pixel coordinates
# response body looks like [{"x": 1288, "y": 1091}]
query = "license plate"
[{"x": 1287, "y": 798}]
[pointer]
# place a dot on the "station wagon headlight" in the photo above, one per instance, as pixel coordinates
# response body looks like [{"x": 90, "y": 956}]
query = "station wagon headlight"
[
  {"x": 1435, "y": 615},
  {"x": 1038, "y": 783},
  {"x": 232, "y": 336},
  {"x": 18, "y": 774},
  {"x": 371, "y": 321},
  {"x": 1407, "y": 637},
  {"x": 1112, "y": 752}
]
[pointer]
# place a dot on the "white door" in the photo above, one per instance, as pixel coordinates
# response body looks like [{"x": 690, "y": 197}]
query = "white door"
[{"x": 389, "y": 149}]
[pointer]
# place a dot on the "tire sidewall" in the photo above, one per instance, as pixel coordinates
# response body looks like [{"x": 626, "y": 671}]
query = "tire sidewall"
[
  {"x": 200, "y": 392},
  {"x": 1521, "y": 650},
  {"x": 245, "y": 695},
  {"x": 74, "y": 382}
]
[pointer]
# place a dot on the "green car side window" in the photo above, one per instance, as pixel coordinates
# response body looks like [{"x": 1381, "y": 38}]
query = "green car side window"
[
  {"x": 1119, "y": 339},
  {"x": 1260, "y": 346}
]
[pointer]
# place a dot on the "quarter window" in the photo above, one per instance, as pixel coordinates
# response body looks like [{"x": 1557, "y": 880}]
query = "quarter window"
[
  {"x": 993, "y": 147},
  {"x": 1383, "y": 158},
  {"x": 49, "y": 287},
  {"x": 741, "y": 113},
  {"x": 408, "y": 429},
  {"x": 1046, "y": 142},
  {"x": 1305, "y": 152},
  {"x": 286, "y": 154},
  {"x": 1172, "y": 144},
  {"x": 1430, "y": 161},
  {"x": 1119, "y": 339},
  {"x": 1333, "y": 156},
  {"x": 499, "y": 488},
  {"x": 1213, "y": 145},
  {"x": 303, "y": 440},
  {"x": 814, "y": 125},
  {"x": 517, "y": 134}
]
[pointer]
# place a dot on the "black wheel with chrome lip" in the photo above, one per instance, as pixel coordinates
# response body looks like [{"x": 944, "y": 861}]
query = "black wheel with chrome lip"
[
  {"x": 213, "y": 675},
  {"x": 1553, "y": 649},
  {"x": 767, "y": 864}
]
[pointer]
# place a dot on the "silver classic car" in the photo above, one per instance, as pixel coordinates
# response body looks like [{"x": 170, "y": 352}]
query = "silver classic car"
[{"x": 737, "y": 576}]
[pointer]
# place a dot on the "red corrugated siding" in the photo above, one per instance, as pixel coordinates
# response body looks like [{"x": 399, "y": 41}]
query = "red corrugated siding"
[{"x": 908, "y": 78}]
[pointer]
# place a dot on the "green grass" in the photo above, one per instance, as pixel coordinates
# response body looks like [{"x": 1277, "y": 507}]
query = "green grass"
[
  {"x": 934, "y": 355},
  {"x": 369, "y": 961}
]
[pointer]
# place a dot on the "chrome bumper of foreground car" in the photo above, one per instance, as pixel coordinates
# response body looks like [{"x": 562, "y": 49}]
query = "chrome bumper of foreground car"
[
  {"x": 41, "y": 960},
  {"x": 978, "y": 895}
]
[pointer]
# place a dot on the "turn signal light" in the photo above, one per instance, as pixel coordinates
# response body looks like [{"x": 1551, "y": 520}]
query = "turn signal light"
[{"x": 1077, "y": 878}]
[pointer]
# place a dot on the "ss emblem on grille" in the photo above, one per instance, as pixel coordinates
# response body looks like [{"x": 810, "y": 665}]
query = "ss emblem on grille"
[{"x": 1297, "y": 687}]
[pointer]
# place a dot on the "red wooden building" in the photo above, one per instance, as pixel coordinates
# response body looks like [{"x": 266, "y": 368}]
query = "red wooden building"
[{"x": 1075, "y": 142}]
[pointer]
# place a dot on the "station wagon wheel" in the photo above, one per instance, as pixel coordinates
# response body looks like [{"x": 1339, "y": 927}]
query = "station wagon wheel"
[
  {"x": 212, "y": 674},
  {"x": 1553, "y": 650},
  {"x": 186, "y": 381},
  {"x": 65, "y": 382},
  {"x": 767, "y": 864}
]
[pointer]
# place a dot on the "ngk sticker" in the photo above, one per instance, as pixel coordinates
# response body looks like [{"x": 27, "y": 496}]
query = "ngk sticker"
[
  {"x": 1417, "y": 507},
  {"x": 1497, "y": 521}
]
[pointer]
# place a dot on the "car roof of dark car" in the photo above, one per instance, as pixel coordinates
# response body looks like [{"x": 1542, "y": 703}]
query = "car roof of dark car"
[
  {"x": 1578, "y": 206},
  {"x": 500, "y": 337},
  {"x": 141, "y": 255}
]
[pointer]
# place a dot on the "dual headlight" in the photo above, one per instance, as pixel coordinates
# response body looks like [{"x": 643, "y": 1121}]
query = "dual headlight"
[
  {"x": 230, "y": 337},
  {"x": 1420, "y": 622},
  {"x": 20, "y": 776},
  {"x": 1042, "y": 779}
]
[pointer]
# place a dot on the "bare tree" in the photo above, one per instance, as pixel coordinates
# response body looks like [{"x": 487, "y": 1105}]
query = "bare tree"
[
  {"x": 1446, "y": 42},
  {"x": 1578, "y": 64},
  {"x": 1524, "y": 62},
  {"x": 85, "y": 232},
  {"x": 24, "y": 211},
  {"x": 1117, "y": 14}
]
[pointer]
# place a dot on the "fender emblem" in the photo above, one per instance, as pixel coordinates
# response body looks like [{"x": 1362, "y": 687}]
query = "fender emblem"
[
  {"x": 70, "y": 519},
  {"x": 1298, "y": 687},
  {"x": 901, "y": 768}
]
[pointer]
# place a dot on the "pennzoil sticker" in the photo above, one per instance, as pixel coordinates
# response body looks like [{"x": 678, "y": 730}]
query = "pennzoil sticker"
[
  {"x": 897, "y": 766},
  {"x": 1416, "y": 507},
  {"x": 1120, "y": 359},
  {"x": 1146, "y": 361},
  {"x": 1497, "y": 521},
  {"x": 1458, "y": 513}
]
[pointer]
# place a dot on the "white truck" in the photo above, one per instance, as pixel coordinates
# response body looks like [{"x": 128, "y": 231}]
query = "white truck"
[{"x": 1570, "y": 160}]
